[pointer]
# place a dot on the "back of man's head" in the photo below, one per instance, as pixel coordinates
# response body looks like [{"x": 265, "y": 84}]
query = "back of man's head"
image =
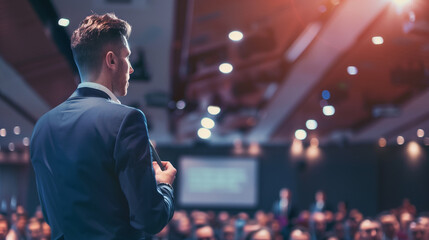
[
  {"x": 299, "y": 234},
  {"x": 94, "y": 34},
  {"x": 4, "y": 227},
  {"x": 370, "y": 229},
  {"x": 389, "y": 225},
  {"x": 204, "y": 232}
]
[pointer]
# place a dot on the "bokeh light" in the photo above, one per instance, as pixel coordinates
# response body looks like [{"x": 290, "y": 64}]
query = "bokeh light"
[
  {"x": 328, "y": 110},
  {"x": 300, "y": 134},
  {"x": 213, "y": 110},
  {"x": 311, "y": 124},
  {"x": 204, "y": 133},
  {"x": 225, "y": 68},
  {"x": 235, "y": 36},
  {"x": 207, "y": 123}
]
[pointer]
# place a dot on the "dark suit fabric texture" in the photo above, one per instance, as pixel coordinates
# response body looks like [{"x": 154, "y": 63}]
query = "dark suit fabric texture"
[{"x": 94, "y": 173}]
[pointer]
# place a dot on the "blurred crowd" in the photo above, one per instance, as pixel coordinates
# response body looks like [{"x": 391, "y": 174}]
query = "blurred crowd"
[
  {"x": 283, "y": 222},
  {"x": 18, "y": 226}
]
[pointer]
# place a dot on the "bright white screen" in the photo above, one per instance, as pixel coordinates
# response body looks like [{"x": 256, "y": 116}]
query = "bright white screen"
[{"x": 218, "y": 181}]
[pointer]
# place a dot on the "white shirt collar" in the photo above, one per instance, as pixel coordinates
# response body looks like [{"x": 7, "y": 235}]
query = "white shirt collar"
[{"x": 101, "y": 88}]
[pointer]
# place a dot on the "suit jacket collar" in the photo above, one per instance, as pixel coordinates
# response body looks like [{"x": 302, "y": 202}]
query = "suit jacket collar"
[
  {"x": 101, "y": 88},
  {"x": 90, "y": 92}
]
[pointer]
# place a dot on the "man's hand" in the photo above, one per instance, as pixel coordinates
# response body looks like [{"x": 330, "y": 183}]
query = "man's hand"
[{"x": 166, "y": 176}]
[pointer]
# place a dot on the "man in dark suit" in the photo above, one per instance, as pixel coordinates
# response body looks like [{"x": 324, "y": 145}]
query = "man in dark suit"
[
  {"x": 283, "y": 209},
  {"x": 92, "y": 155}
]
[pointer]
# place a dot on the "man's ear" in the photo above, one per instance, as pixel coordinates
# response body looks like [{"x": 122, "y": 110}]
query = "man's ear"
[{"x": 111, "y": 60}]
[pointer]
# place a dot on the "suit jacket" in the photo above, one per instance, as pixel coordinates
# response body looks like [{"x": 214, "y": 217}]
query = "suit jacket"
[
  {"x": 287, "y": 216},
  {"x": 94, "y": 173}
]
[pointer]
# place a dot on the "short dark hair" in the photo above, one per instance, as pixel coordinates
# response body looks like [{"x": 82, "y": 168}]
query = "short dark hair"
[{"x": 92, "y": 35}]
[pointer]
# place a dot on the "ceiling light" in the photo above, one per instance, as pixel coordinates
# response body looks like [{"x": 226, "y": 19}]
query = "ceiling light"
[
  {"x": 204, "y": 133},
  {"x": 63, "y": 22},
  {"x": 180, "y": 104},
  {"x": 312, "y": 152},
  {"x": 235, "y": 36},
  {"x": 382, "y": 142},
  {"x": 352, "y": 70},
  {"x": 400, "y": 140},
  {"x": 11, "y": 147},
  {"x": 17, "y": 130},
  {"x": 296, "y": 148},
  {"x": 420, "y": 133},
  {"x": 377, "y": 40},
  {"x": 213, "y": 110},
  {"x": 207, "y": 123},
  {"x": 3, "y": 132},
  {"x": 326, "y": 94},
  {"x": 26, "y": 141},
  {"x": 311, "y": 124},
  {"x": 413, "y": 149},
  {"x": 300, "y": 134},
  {"x": 225, "y": 68},
  {"x": 328, "y": 110}
]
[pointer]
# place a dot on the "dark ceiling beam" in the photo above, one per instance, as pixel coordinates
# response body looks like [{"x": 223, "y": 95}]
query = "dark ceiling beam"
[{"x": 49, "y": 17}]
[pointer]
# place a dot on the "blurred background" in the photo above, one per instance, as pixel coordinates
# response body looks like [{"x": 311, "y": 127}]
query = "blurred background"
[{"x": 244, "y": 97}]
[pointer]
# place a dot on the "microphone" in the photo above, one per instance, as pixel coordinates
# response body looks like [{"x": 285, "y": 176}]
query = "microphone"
[{"x": 156, "y": 156}]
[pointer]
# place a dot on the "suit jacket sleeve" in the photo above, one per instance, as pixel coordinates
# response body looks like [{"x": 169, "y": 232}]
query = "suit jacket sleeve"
[{"x": 150, "y": 206}]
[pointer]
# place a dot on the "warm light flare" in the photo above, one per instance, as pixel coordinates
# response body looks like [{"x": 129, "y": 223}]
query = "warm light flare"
[
  {"x": 400, "y": 140},
  {"x": 382, "y": 142},
  {"x": 296, "y": 148},
  {"x": 300, "y": 134},
  {"x": 414, "y": 150},
  {"x": 207, "y": 123},
  {"x": 420, "y": 133},
  {"x": 312, "y": 152},
  {"x": 254, "y": 149},
  {"x": 328, "y": 110},
  {"x": 311, "y": 124},
  {"x": 213, "y": 110},
  {"x": 204, "y": 133},
  {"x": 235, "y": 36},
  {"x": 377, "y": 40},
  {"x": 63, "y": 22},
  {"x": 225, "y": 68}
]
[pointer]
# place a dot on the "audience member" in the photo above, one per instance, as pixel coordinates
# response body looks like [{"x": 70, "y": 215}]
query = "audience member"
[
  {"x": 260, "y": 234},
  {"x": 4, "y": 227},
  {"x": 416, "y": 231},
  {"x": 228, "y": 232},
  {"x": 370, "y": 230},
  {"x": 424, "y": 220},
  {"x": 405, "y": 218},
  {"x": 283, "y": 209},
  {"x": 299, "y": 234},
  {"x": 207, "y": 225},
  {"x": 339, "y": 230},
  {"x": 318, "y": 226},
  {"x": 351, "y": 227},
  {"x": 320, "y": 204},
  {"x": 389, "y": 226},
  {"x": 34, "y": 229},
  {"x": 163, "y": 235},
  {"x": 204, "y": 232}
]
